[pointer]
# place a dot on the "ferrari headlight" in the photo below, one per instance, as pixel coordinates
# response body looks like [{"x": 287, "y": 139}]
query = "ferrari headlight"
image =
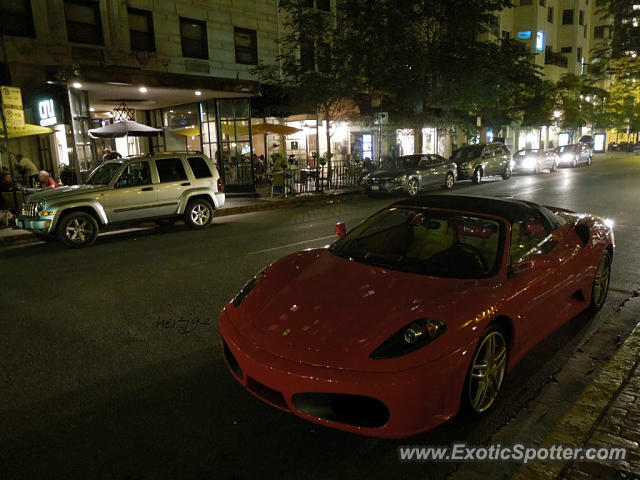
[
  {"x": 246, "y": 290},
  {"x": 410, "y": 338}
]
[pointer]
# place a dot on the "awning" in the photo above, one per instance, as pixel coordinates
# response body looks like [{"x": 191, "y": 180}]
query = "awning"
[
  {"x": 192, "y": 131},
  {"x": 26, "y": 131},
  {"x": 256, "y": 129},
  {"x": 259, "y": 128},
  {"x": 124, "y": 128}
]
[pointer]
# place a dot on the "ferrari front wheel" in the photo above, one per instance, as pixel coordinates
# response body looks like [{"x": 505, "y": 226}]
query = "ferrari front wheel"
[
  {"x": 601, "y": 282},
  {"x": 486, "y": 372}
]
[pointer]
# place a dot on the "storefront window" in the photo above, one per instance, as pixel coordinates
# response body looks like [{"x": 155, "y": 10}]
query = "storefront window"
[{"x": 236, "y": 148}]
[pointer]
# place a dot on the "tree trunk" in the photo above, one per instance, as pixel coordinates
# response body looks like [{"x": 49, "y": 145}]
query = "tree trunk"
[
  {"x": 329, "y": 154},
  {"x": 417, "y": 139}
]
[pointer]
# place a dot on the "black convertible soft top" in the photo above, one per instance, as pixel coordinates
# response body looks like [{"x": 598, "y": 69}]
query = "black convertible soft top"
[{"x": 507, "y": 207}]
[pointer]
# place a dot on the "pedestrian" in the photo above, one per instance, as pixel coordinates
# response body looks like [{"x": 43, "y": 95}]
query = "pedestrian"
[
  {"x": 110, "y": 155},
  {"x": 46, "y": 181},
  {"x": 26, "y": 168}
]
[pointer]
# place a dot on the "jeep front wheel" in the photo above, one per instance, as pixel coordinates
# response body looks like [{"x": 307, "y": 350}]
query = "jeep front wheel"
[
  {"x": 198, "y": 213},
  {"x": 77, "y": 230}
]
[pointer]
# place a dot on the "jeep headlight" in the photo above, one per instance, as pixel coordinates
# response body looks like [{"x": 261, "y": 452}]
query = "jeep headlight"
[{"x": 39, "y": 208}]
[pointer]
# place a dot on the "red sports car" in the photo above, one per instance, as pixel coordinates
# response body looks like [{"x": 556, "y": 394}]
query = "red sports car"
[{"x": 418, "y": 311}]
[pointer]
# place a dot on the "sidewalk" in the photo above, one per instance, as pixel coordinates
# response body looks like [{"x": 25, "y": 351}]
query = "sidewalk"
[
  {"x": 233, "y": 206},
  {"x": 607, "y": 414}
]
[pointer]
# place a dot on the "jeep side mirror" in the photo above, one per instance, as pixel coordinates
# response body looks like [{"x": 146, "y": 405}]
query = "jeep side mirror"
[{"x": 340, "y": 229}]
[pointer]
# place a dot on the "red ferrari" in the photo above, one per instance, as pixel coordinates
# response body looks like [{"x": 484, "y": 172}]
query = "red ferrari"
[{"x": 417, "y": 312}]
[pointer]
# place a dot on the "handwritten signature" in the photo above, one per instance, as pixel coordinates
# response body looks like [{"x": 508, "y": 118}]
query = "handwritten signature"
[{"x": 182, "y": 325}]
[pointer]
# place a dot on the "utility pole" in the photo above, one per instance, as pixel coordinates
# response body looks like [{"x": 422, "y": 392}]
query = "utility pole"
[{"x": 5, "y": 130}]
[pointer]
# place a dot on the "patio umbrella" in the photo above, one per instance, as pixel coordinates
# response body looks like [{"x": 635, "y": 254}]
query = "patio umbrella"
[{"x": 124, "y": 128}]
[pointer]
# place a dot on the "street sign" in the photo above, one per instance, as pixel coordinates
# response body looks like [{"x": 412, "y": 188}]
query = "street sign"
[
  {"x": 381, "y": 118},
  {"x": 12, "y": 107}
]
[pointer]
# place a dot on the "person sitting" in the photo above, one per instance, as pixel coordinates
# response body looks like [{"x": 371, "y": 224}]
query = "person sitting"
[
  {"x": 6, "y": 182},
  {"x": 45, "y": 180}
]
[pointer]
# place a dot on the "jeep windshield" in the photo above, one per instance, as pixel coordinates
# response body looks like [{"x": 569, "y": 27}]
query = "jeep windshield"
[
  {"x": 427, "y": 242},
  {"x": 103, "y": 174}
]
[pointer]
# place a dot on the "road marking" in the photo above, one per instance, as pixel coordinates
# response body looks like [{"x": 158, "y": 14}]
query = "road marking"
[
  {"x": 291, "y": 245},
  {"x": 23, "y": 245}
]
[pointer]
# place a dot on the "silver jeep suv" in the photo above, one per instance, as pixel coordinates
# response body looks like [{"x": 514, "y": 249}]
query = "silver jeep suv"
[{"x": 163, "y": 187}]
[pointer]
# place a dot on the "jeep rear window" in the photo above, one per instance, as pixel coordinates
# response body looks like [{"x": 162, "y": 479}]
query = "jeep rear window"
[
  {"x": 170, "y": 170},
  {"x": 199, "y": 167}
]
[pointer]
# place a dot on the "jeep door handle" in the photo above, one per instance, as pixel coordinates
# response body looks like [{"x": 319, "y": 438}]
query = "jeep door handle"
[
  {"x": 185, "y": 184},
  {"x": 146, "y": 189}
]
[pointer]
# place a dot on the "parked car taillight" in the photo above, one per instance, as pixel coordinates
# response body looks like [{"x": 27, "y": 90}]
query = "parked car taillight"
[{"x": 220, "y": 186}]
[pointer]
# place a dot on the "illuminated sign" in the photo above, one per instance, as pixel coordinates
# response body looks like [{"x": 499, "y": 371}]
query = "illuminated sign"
[
  {"x": 524, "y": 35},
  {"x": 47, "y": 113},
  {"x": 540, "y": 40}
]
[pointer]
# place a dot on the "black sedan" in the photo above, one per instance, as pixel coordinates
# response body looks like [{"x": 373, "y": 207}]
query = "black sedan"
[{"x": 410, "y": 174}]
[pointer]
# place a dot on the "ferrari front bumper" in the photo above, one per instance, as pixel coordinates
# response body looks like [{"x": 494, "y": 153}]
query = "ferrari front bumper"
[{"x": 380, "y": 404}]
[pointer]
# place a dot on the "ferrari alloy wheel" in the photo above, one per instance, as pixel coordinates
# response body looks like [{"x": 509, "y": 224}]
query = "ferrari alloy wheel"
[
  {"x": 477, "y": 176},
  {"x": 506, "y": 175},
  {"x": 449, "y": 181},
  {"x": 198, "y": 213},
  {"x": 601, "y": 282},
  {"x": 487, "y": 370},
  {"x": 78, "y": 229},
  {"x": 413, "y": 187}
]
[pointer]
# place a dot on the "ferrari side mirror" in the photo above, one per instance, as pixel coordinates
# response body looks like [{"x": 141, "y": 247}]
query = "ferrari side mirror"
[{"x": 340, "y": 229}]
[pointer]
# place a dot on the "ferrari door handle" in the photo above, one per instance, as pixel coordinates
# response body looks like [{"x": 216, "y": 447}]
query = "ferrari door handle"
[
  {"x": 146, "y": 189},
  {"x": 185, "y": 184}
]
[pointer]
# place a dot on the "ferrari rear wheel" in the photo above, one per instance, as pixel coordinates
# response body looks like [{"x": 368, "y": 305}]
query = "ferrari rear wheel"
[
  {"x": 487, "y": 370},
  {"x": 601, "y": 282}
]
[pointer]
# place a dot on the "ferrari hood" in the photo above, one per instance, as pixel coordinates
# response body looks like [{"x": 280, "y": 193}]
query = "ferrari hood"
[{"x": 322, "y": 309}]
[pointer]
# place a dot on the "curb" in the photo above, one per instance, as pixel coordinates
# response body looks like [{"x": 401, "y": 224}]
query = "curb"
[
  {"x": 24, "y": 237},
  {"x": 576, "y": 426}
]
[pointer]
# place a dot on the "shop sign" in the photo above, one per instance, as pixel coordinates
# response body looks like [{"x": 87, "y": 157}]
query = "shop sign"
[
  {"x": 12, "y": 106},
  {"x": 540, "y": 40},
  {"x": 47, "y": 112}
]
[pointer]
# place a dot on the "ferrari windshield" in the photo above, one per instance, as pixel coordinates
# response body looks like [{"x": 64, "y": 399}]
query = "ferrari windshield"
[
  {"x": 428, "y": 242},
  {"x": 103, "y": 174}
]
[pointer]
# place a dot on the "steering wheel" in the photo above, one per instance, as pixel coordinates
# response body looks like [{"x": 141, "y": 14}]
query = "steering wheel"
[{"x": 473, "y": 251}]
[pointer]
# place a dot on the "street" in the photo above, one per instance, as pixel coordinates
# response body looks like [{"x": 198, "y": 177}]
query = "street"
[{"x": 112, "y": 365}]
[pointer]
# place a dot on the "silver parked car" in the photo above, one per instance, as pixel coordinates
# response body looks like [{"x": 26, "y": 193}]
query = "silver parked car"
[
  {"x": 411, "y": 174},
  {"x": 163, "y": 187},
  {"x": 532, "y": 160},
  {"x": 482, "y": 160},
  {"x": 574, "y": 154}
]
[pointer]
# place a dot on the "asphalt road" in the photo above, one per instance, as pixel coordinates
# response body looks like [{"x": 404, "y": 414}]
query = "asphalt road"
[{"x": 111, "y": 365}]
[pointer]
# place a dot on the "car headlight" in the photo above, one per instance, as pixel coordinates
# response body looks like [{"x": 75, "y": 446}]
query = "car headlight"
[
  {"x": 246, "y": 290},
  {"x": 410, "y": 338},
  {"x": 39, "y": 207},
  {"x": 567, "y": 157},
  {"x": 529, "y": 162},
  {"x": 400, "y": 179}
]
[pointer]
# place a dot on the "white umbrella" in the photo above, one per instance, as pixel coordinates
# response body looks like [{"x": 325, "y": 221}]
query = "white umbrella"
[{"x": 124, "y": 128}]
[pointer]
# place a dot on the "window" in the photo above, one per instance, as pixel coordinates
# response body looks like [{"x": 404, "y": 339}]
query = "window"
[
  {"x": 141, "y": 30},
  {"x": 16, "y": 18},
  {"x": 524, "y": 3},
  {"x": 584, "y": 34},
  {"x": 543, "y": 3},
  {"x": 530, "y": 236},
  {"x": 566, "y": 50},
  {"x": 598, "y": 32},
  {"x": 567, "y": 17},
  {"x": 550, "y": 14},
  {"x": 323, "y": 5},
  {"x": 194, "y": 38},
  {"x": 579, "y": 54},
  {"x": 494, "y": 25},
  {"x": 505, "y": 35},
  {"x": 324, "y": 57},
  {"x": 199, "y": 167},
  {"x": 581, "y": 17},
  {"x": 246, "y": 46},
  {"x": 170, "y": 170},
  {"x": 134, "y": 175},
  {"x": 84, "y": 24},
  {"x": 307, "y": 55}
]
